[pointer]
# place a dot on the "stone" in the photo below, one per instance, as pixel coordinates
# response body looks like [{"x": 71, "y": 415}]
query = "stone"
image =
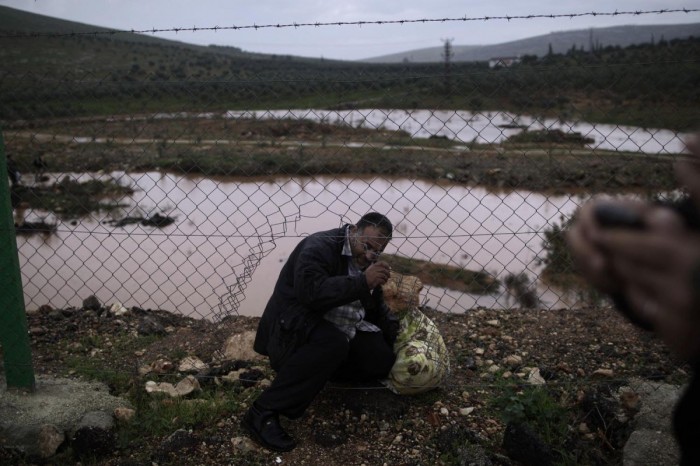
[
  {"x": 187, "y": 385},
  {"x": 91, "y": 303},
  {"x": 240, "y": 347},
  {"x": 466, "y": 411},
  {"x": 183, "y": 388},
  {"x": 70, "y": 406},
  {"x": 243, "y": 444},
  {"x": 163, "y": 387},
  {"x": 647, "y": 446},
  {"x": 99, "y": 418},
  {"x": 116, "y": 309},
  {"x": 149, "y": 325},
  {"x": 535, "y": 378},
  {"x": 603, "y": 373},
  {"x": 123, "y": 414},
  {"x": 513, "y": 360},
  {"x": 162, "y": 366},
  {"x": 192, "y": 364},
  {"x": 50, "y": 438}
]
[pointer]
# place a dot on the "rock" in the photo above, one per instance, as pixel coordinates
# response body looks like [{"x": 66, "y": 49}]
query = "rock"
[
  {"x": 91, "y": 303},
  {"x": 647, "y": 446},
  {"x": 243, "y": 444},
  {"x": 233, "y": 376},
  {"x": 603, "y": 373},
  {"x": 164, "y": 387},
  {"x": 37, "y": 331},
  {"x": 50, "y": 438},
  {"x": 100, "y": 419},
  {"x": 192, "y": 364},
  {"x": 513, "y": 360},
  {"x": 657, "y": 401},
  {"x": 149, "y": 325},
  {"x": 186, "y": 386},
  {"x": 493, "y": 323},
  {"x": 240, "y": 346},
  {"x": 535, "y": 378},
  {"x": 45, "y": 308},
  {"x": 162, "y": 366},
  {"x": 116, "y": 309},
  {"x": 466, "y": 411},
  {"x": 80, "y": 411},
  {"x": 124, "y": 414}
]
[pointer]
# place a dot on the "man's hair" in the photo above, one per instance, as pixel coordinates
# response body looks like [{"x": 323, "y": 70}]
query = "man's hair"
[{"x": 377, "y": 220}]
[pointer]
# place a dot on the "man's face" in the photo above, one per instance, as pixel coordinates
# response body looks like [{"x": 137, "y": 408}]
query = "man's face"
[{"x": 366, "y": 245}]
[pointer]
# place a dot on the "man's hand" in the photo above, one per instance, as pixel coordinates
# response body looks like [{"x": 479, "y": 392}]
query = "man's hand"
[
  {"x": 659, "y": 272},
  {"x": 377, "y": 274}
]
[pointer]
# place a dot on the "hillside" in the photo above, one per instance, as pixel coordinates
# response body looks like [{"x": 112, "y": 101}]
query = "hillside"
[
  {"x": 56, "y": 68},
  {"x": 16, "y": 23},
  {"x": 560, "y": 41}
]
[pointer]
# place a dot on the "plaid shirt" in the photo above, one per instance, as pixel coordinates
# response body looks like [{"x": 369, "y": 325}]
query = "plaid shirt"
[{"x": 350, "y": 317}]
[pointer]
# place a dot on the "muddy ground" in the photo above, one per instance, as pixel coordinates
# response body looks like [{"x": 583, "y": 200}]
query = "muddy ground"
[
  {"x": 585, "y": 356},
  {"x": 261, "y": 148}
]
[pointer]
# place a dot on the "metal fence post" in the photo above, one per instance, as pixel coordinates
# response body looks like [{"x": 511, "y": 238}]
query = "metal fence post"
[{"x": 17, "y": 354}]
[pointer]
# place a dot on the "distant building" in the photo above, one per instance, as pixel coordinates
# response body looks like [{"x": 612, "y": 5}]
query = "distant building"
[{"x": 505, "y": 62}]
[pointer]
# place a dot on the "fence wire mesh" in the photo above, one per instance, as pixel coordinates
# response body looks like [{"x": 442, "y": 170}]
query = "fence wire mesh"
[{"x": 179, "y": 178}]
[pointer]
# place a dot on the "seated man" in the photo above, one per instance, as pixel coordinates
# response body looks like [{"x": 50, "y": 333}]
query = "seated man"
[{"x": 326, "y": 319}]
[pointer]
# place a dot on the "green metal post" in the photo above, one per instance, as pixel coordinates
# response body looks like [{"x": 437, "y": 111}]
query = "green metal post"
[{"x": 14, "y": 339}]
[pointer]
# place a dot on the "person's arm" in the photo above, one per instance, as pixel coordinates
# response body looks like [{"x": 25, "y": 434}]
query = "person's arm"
[
  {"x": 654, "y": 272},
  {"x": 660, "y": 272},
  {"x": 380, "y": 315},
  {"x": 318, "y": 284}
]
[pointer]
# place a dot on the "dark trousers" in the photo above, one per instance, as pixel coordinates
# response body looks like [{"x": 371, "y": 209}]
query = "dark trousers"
[{"x": 326, "y": 355}]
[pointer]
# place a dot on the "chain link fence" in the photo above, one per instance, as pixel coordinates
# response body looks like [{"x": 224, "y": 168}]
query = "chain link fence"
[
  {"x": 176, "y": 177},
  {"x": 177, "y": 209}
]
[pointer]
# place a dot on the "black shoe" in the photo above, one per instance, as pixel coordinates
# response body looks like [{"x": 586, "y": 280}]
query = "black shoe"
[{"x": 264, "y": 427}]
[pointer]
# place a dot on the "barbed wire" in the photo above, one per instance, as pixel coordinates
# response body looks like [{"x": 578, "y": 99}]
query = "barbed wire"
[
  {"x": 349, "y": 23},
  {"x": 297, "y": 236}
]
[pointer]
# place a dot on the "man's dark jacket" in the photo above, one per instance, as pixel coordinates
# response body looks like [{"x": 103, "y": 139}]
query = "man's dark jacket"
[{"x": 313, "y": 281}]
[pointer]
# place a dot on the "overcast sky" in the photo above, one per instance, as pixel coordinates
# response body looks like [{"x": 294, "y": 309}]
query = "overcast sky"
[{"x": 351, "y": 42}]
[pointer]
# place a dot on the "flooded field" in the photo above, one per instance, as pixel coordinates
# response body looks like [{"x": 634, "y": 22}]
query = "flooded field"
[{"x": 230, "y": 239}]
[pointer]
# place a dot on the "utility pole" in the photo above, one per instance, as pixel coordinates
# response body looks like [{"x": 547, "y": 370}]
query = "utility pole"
[{"x": 447, "y": 57}]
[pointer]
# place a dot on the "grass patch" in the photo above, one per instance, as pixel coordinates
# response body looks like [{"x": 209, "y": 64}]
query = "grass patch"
[
  {"x": 542, "y": 411},
  {"x": 157, "y": 416},
  {"x": 550, "y": 136},
  {"x": 69, "y": 198},
  {"x": 444, "y": 276}
]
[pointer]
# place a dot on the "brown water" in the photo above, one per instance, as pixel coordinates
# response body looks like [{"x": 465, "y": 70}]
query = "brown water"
[{"x": 231, "y": 238}]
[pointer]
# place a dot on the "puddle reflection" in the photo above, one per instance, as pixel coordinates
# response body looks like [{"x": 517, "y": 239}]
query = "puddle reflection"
[{"x": 231, "y": 238}]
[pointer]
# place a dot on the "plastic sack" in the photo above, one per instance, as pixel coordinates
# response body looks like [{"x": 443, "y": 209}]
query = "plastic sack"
[{"x": 422, "y": 361}]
